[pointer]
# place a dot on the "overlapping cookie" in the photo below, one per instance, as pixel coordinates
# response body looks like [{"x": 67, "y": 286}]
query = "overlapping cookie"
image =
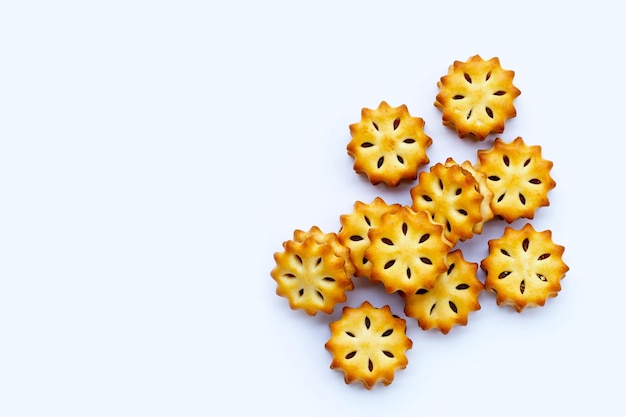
[
  {"x": 451, "y": 300},
  {"x": 313, "y": 271},
  {"x": 355, "y": 226},
  {"x": 407, "y": 251},
  {"x": 388, "y": 144},
  {"x": 368, "y": 345},
  {"x": 524, "y": 267},
  {"x": 518, "y": 176},
  {"x": 476, "y": 97},
  {"x": 450, "y": 195}
]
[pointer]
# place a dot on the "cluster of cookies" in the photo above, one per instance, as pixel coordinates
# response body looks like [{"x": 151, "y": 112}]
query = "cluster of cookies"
[{"x": 411, "y": 250}]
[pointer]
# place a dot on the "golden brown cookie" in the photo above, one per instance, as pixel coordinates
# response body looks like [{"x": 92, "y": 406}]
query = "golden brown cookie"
[
  {"x": 518, "y": 176},
  {"x": 354, "y": 229},
  {"x": 524, "y": 267},
  {"x": 368, "y": 344},
  {"x": 407, "y": 251},
  {"x": 310, "y": 274},
  {"x": 332, "y": 239},
  {"x": 453, "y": 298},
  {"x": 476, "y": 97},
  {"x": 388, "y": 144},
  {"x": 481, "y": 182},
  {"x": 450, "y": 195}
]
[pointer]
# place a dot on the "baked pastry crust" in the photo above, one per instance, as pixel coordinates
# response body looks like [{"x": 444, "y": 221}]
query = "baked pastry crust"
[
  {"x": 524, "y": 267},
  {"x": 476, "y": 97},
  {"x": 330, "y": 238},
  {"x": 450, "y": 195},
  {"x": 481, "y": 182},
  {"x": 453, "y": 298},
  {"x": 388, "y": 144},
  {"x": 310, "y": 272},
  {"x": 518, "y": 176},
  {"x": 354, "y": 229},
  {"x": 407, "y": 251},
  {"x": 368, "y": 344}
]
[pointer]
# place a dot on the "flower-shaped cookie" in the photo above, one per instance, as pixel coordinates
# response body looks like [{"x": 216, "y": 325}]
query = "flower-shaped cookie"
[
  {"x": 354, "y": 229},
  {"x": 310, "y": 274},
  {"x": 453, "y": 297},
  {"x": 524, "y": 267},
  {"x": 518, "y": 176},
  {"x": 407, "y": 251},
  {"x": 368, "y": 344},
  {"x": 388, "y": 144},
  {"x": 476, "y": 97},
  {"x": 450, "y": 195}
]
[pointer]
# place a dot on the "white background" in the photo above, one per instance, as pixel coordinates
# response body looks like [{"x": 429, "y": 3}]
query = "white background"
[{"x": 155, "y": 154}]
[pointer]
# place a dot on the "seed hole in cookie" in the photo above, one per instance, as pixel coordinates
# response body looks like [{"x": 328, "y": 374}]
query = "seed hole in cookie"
[
  {"x": 424, "y": 237},
  {"x": 504, "y": 252},
  {"x": 462, "y": 211},
  {"x": 506, "y": 160},
  {"x": 469, "y": 114},
  {"x": 453, "y": 306},
  {"x": 367, "y": 145},
  {"x": 396, "y": 123},
  {"x": 405, "y": 229},
  {"x": 467, "y": 77},
  {"x": 409, "y": 140},
  {"x": 448, "y": 226},
  {"x": 364, "y": 261},
  {"x": 400, "y": 159},
  {"x": 499, "y": 93},
  {"x": 504, "y": 274},
  {"x": 390, "y": 264},
  {"x": 427, "y": 197},
  {"x": 432, "y": 308},
  {"x": 298, "y": 258},
  {"x": 387, "y": 241},
  {"x": 488, "y": 76},
  {"x": 289, "y": 275},
  {"x": 535, "y": 181},
  {"x": 301, "y": 292},
  {"x": 319, "y": 261},
  {"x": 388, "y": 354},
  {"x": 368, "y": 323},
  {"x": 543, "y": 256},
  {"x": 489, "y": 112},
  {"x": 522, "y": 287},
  {"x": 329, "y": 279},
  {"x": 356, "y": 238},
  {"x": 543, "y": 278},
  {"x": 501, "y": 197},
  {"x": 527, "y": 162},
  {"x": 380, "y": 162},
  {"x": 387, "y": 333},
  {"x": 458, "y": 191},
  {"x": 458, "y": 97},
  {"x": 375, "y": 125},
  {"x": 421, "y": 291},
  {"x": 350, "y": 334},
  {"x": 462, "y": 287},
  {"x": 450, "y": 268},
  {"x": 494, "y": 178},
  {"x": 370, "y": 365},
  {"x": 320, "y": 295},
  {"x": 522, "y": 199},
  {"x": 367, "y": 220},
  {"x": 426, "y": 260},
  {"x": 351, "y": 355},
  {"x": 440, "y": 184},
  {"x": 408, "y": 273},
  {"x": 525, "y": 244}
]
